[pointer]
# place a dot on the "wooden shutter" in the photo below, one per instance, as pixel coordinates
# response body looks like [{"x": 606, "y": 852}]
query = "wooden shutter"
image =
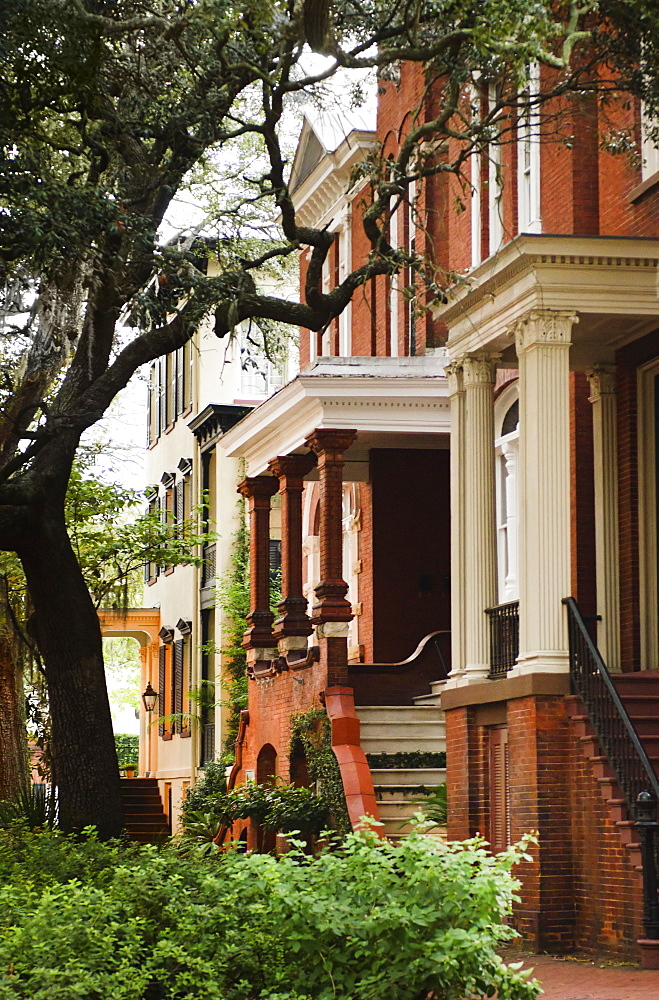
[
  {"x": 177, "y": 684},
  {"x": 179, "y": 510},
  {"x": 162, "y": 394},
  {"x": 162, "y": 680},
  {"x": 180, "y": 380},
  {"x": 499, "y": 789},
  {"x": 186, "y": 729}
]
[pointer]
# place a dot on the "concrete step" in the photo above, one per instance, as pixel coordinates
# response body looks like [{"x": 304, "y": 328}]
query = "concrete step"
[
  {"x": 428, "y": 777},
  {"x": 401, "y": 744},
  {"x": 369, "y": 714},
  {"x": 431, "y": 730}
]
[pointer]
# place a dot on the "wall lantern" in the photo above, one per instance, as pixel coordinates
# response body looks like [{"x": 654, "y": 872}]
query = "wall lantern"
[{"x": 150, "y": 698}]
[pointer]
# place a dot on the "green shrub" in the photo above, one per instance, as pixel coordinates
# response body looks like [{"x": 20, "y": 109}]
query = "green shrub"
[
  {"x": 208, "y": 791},
  {"x": 128, "y": 747},
  {"x": 367, "y": 920},
  {"x": 276, "y": 807}
]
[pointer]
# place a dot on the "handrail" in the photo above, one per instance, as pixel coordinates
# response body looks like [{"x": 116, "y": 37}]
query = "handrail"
[
  {"x": 399, "y": 683},
  {"x": 614, "y": 729},
  {"x": 384, "y": 667}
]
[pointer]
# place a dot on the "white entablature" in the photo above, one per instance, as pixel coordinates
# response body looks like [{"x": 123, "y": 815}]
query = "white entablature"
[
  {"x": 391, "y": 402},
  {"x": 609, "y": 283}
]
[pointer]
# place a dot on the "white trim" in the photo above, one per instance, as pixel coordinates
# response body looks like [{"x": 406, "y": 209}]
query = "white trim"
[
  {"x": 476, "y": 220},
  {"x": 649, "y": 149},
  {"x": 528, "y": 161},
  {"x": 495, "y": 187},
  {"x": 647, "y": 516}
]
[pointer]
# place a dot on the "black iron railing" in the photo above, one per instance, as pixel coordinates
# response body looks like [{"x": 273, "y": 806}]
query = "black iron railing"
[
  {"x": 207, "y": 743},
  {"x": 623, "y": 749},
  {"x": 504, "y": 637}
]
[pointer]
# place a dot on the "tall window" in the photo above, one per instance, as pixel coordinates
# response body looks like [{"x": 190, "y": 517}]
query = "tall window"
[
  {"x": 345, "y": 254},
  {"x": 494, "y": 182},
  {"x": 649, "y": 148},
  {"x": 506, "y": 447},
  {"x": 528, "y": 158},
  {"x": 394, "y": 282}
]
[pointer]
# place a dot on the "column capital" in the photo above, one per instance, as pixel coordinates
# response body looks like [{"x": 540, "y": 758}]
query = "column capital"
[
  {"x": 286, "y": 467},
  {"x": 480, "y": 369},
  {"x": 455, "y": 378},
  {"x": 550, "y": 327},
  {"x": 258, "y": 486},
  {"x": 327, "y": 439},
  {"x": 602, "y": 380}
]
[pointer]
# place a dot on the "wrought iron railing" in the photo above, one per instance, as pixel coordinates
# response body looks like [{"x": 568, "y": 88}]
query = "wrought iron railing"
[
  {"x": 208, "y": 570},
  {"x": 504, "y": 637},
  {"x": 623, "y": 749},
  {"x": 207, "y": 743}
]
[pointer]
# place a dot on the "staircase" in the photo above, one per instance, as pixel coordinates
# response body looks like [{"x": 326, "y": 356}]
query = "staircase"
[
  {"x": 144, "y": 816},
  {"x": 407, "y": 729}
]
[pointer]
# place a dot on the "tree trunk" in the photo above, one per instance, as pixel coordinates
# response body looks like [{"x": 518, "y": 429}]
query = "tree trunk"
[
  {"x": 13, "y": 743},
  {"x": 68, "y": 634}
]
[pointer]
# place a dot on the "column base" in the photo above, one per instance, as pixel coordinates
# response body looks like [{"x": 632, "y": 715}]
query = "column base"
[{"x": 542, "y": 661}]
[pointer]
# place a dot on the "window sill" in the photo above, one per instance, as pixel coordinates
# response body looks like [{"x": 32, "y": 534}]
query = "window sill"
[
  {"x": 168, "y": 572},
  {"x": 166, "y": 736},
  {"x": 151, "y": 582},
  {"x": 648, "y": 184}
]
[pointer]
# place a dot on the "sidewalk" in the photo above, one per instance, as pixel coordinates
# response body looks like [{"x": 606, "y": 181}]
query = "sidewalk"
[{"x": 571, "y": 979}]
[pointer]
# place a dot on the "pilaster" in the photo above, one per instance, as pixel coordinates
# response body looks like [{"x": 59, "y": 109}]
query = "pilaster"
[
  {"x": 607, "y": 569},
  {"x": 455, "y": 379},
  {"x": 543, "y": 347},
  {"x": 480, "y": 556}
]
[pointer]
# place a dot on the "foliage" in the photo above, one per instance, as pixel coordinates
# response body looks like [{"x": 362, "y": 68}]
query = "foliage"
[
  {"x": 34, "y": 805},
  {"x": 278, "y": 806},
  {"x": 404, "y": 760},
  {"x": 233, "y": 598},
  {"x": 434, "y": 805},
  {"x": 207, "y": 791},
  {"x": 127, "y": 749},
  {"x": 366, "y": 920},
  {"x": 311, "y": 735}
]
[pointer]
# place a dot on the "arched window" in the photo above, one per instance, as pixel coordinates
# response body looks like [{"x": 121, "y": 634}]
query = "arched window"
[{"x": 506, "y": 447}]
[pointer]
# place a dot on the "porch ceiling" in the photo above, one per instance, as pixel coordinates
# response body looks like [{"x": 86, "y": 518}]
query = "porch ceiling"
[
  {"x": 391, "y": 402},
  {"x": 610, "y": 283}
]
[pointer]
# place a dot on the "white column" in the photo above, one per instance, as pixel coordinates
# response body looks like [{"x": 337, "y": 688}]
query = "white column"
[
  {"x": 543, "y": 348},
  {"x": 605, "y": 452},
  {"x": 454, "y": 376},
  {"x": 480, "y": 553}
]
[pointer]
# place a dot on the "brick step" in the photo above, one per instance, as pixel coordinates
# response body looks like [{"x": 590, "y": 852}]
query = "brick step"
[{"x": 426, "y": 776}]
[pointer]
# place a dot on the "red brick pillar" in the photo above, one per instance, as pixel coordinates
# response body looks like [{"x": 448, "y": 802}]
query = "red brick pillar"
[
  {"x": 258, "y": 637},
  {"x": 332, "y": 611},
  {"x": 294, "y": 625}
]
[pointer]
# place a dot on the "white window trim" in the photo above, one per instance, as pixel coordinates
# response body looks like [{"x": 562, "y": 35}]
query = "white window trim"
[
  {"x": 394, "y": 285},
  {"x": 647, "y": 516},
  {"x": 528, "y": 177},
  {"x": 507, "y": 478},
  {"x": 649, "y": 149},
  {"x": 344, "y": 236},
  {"x": 494, "y": 187}
]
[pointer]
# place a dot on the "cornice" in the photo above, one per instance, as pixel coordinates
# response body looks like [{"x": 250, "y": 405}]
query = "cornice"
[{"x": 214, "y": 420}]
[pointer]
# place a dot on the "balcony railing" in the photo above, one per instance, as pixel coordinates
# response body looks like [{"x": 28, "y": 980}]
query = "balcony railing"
[
  {"x": 504, "y": 637},
  {"x": 208, "y": 569},
  {"x": 207, "y": 743}
]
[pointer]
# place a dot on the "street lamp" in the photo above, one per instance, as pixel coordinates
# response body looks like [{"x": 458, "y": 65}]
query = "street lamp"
[{"x": 150, "y": 698}]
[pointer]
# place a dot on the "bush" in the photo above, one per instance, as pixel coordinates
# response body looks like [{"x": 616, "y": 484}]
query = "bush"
[
  {"x": 208, "y": 791},
  {"x": 276, "y": 807},
  {"x": 128, "y": 747},
  {"x": 367, "y": 920}
]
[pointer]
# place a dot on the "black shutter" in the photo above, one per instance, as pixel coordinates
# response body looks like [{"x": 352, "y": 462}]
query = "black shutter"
[
  {"x": 161, "y": 688},
  {"x": 180, "y": 380},
  {"x": 179, "y": 512},
  {"x": 177, "y": 683}
]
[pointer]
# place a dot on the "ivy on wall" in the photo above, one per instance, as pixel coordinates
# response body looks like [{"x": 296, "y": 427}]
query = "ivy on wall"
[
  {"x": 311, "y": 737},
  {"x": 402, "y": 761}
]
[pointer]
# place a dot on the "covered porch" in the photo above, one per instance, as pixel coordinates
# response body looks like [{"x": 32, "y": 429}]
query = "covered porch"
[{"x": 356, "y": 450}]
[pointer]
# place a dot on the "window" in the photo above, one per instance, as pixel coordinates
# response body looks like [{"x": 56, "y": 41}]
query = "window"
[
  {"x": 649, "y": 148},
  {"x": 494, "y": 183},
  {"x": 170, "y": 390},
  {"x": 394, "y": 282},
  {"x": 344, "y": 269},
  {"x": 410, "y": 305},
  {"x": 506, "y": 449},
  {"x": 528, "y": 159}
]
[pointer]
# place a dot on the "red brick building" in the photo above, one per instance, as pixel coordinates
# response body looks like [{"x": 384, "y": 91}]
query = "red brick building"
[{"x": 449, "y": 476}]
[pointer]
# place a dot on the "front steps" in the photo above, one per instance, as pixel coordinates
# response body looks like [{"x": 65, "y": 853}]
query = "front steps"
[
  {"x": 144, "y": 817},
  {"x": 404, "y": 729}
]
